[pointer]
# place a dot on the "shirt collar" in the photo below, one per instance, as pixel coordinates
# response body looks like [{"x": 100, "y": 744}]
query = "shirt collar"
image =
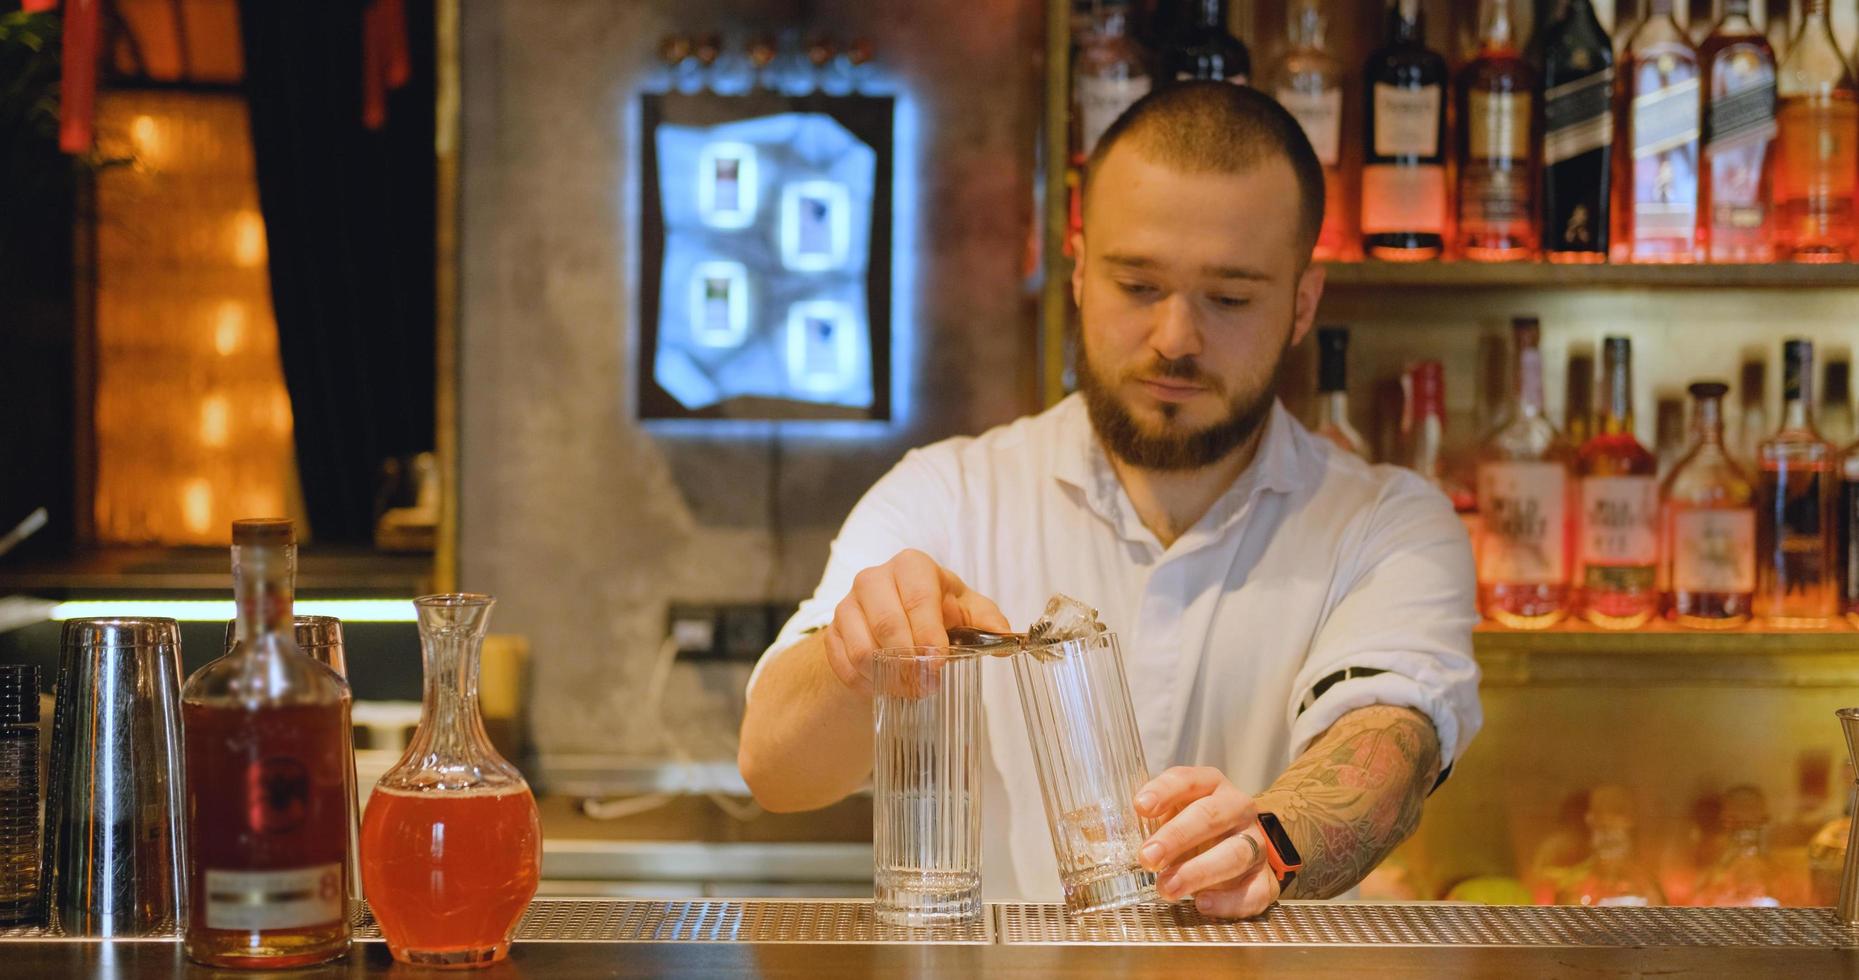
[{"x": 1286, "y": 460}]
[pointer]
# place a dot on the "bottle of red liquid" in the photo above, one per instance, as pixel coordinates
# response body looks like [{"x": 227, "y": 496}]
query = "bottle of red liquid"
[
  {"x": 451, "y": 846},
  {"x": 267, "y": 784}
]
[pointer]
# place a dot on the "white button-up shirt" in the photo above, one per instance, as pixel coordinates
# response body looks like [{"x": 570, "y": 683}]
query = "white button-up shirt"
[{"x": 1312, "y": 563}]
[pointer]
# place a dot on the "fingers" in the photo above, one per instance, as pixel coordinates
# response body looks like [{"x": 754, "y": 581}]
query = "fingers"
[
  {"x": 1211, "y": 808},
  {"x": 1244, "y": 899},
  {"x": 905, "y": 602},
  {"x": 1219, "y": 866}
]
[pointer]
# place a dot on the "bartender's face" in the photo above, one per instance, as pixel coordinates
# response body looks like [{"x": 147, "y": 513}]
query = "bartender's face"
[{"x": 1191, "y": 288}]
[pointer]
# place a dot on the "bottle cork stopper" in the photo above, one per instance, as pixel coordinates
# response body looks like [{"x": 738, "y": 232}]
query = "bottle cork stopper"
[{"x": 263, "y": 530}]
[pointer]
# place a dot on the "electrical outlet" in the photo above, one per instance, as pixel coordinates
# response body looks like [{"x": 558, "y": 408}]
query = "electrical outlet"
[{"x": 725, "y": 631}]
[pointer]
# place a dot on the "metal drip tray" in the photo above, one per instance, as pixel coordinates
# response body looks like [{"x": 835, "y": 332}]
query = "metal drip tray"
[
  {"x": 724, "y": 921},
  {"x": 1329, "y": 924}
]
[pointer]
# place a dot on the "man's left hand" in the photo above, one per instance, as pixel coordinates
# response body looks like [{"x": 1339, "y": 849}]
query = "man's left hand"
[{"x": 1209, "y": 846}]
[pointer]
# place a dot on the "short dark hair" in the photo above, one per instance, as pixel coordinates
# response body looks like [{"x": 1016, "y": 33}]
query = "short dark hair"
[{"x": 1219, "y": 127}]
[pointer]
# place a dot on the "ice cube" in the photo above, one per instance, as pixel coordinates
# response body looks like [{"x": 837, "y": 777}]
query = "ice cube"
[{"x": 1065, "y": 619}]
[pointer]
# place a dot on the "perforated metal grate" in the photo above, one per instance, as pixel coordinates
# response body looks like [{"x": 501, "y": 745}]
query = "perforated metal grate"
[
  {"x": 1326, "y": 924},
  {"x": 1293, "y": 923}
]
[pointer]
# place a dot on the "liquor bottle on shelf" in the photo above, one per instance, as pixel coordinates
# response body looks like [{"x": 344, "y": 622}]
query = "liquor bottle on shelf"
[
  {"x": 1835, "y": 419},
  {"x": 1108, "y": 74},
  {"x": 1739, "y": 128},
  {"x": 1659, "y": 127},
  {"x": 1847, "y": 534},
  {"x": 1826, "y": 850},
  {"x": 1612, "y": 874},
  {"x": 1524, "y": 509},
  {"x": 1710, "y": 525},
  {"x": 1796, "y": 580},
  {"x": 1404, "y": 205},
  {"x": 1308, "y": 82},
  {"x": 1815, "y": 155},
  {"x": 1202, "y": 48},
  {"x": 1426, "y": 435},
  {"x": 1497, "y": 178},
  {"x": 1333, "y": 392},
  {"x": 1670, "y": 441},
  {"x": 1578, "y": 135},
  {"x": 267, "y": 797},
  {"x": 1779, "y": 26},
  {"x": 1618, "y": 559},
  {"x": 1752, "y": 421},
  {"x": 1578, "y": 399},
  {"x": 1744, "y": 875}
]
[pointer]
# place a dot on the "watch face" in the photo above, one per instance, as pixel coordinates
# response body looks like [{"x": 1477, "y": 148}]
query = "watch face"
[{"x": 1280, "y": 841}]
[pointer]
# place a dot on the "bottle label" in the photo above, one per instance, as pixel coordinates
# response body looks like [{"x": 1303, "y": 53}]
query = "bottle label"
[
  {"x": 1743, "y": 108},
  {"x": 1665, "y": 119},
  {"x": 1403, "y": 199},
  {"x": 1523, "y": 522},
  {"x": 1321, "y": 115},
  {"x": 1406, "y": 121},
  {"x": 1495, "y": 195},
  {"x": 1714, "y": 551},
  {"x": 1101, "y": 101},
  {"x": 1578, "y": 116},
  {"x": 290, "y": 898},
  {"x": 1500, "y": 126},
  {"x": 1619, "y": 524}
]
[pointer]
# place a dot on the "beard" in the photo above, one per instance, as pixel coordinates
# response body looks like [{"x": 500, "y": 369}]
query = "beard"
[{"x": 1176, "y": 447}]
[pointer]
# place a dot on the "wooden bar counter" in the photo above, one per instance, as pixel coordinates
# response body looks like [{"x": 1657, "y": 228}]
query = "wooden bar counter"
[{"x": 563, "y": 938}]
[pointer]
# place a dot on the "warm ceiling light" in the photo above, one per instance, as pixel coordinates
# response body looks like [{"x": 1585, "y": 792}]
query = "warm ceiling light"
[
  {"x": 248, "y": 239},
  {"x": 215, "y": 422},
  {"x": 197, "y": 505},
  {"x": 228, "y": 327},
  {"x": 146, "y": 136}
]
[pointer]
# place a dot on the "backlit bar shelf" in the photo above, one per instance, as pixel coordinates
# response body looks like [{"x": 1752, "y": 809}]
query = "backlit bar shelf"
[{"x": 1478, "y": 275}]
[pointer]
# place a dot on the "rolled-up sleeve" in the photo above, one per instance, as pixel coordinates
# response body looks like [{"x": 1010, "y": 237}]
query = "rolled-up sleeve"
[
  {"x": 1401, "y": 631},
  {"x": 909, "y": 507}
]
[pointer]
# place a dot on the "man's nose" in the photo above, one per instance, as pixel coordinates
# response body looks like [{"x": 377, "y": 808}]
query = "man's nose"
[{"x": 1176, "y": 333}]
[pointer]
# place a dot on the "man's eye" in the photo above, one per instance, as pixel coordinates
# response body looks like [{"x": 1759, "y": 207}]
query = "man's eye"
[
  {"x": 1230, "y": 302},
  {"x": 1136, "y": 288}
]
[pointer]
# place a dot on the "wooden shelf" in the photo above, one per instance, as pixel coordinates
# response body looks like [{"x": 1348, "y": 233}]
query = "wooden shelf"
[
  {"x": 322, "y": 571},
  {"x": 1480, "y": 275},
  {"x": 1577, "y": 655}
]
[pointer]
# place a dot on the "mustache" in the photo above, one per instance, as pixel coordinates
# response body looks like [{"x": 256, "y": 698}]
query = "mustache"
[{"x": 1178, "y": 369}]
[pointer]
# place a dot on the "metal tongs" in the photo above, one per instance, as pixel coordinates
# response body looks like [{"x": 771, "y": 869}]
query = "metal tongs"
[{"x": 1034, "y": 642}]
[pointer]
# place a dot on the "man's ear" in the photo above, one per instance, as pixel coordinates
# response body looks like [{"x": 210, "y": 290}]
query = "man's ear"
[{"x": 1309, "y": 295}]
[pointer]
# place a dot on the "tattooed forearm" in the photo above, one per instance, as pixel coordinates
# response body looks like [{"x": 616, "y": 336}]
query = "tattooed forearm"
[{"x": 1354, "y": 795}]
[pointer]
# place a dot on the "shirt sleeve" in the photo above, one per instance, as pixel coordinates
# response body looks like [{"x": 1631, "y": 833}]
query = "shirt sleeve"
[
  {"x": 909, "y": 507},
  {"x": 1401, "y": 633}
]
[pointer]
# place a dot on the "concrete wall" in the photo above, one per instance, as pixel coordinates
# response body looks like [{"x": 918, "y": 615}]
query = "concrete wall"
[{"x": 580, "y": 521}]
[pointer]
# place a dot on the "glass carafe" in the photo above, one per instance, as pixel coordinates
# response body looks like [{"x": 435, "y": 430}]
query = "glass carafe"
[{"x": 451, "y": 847}]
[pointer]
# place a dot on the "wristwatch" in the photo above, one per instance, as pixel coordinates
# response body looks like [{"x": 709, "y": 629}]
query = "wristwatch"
[{"x": 1280, "y": 853}]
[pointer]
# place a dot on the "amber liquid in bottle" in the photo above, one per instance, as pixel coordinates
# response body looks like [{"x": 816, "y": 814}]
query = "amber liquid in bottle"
[
  {"x": 1619, "y": 518},
  {"x": 1739, "y": 126},
  {"x": 1660, "y": 120},
  {"x": 1796, "y": 575},
  {"x": 267, "y": 784},
  {"x": 1497, "y": 175},
  {"x": 1710, "y": 526},
  {"x": 1816, "y": 156},
  {"x": 1525, "y": 512}
]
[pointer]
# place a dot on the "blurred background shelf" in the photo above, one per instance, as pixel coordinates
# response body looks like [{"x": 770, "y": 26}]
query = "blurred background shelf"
[
  {"x": 1546, "y": 275},
  {"x": 1663, "y": 655}
]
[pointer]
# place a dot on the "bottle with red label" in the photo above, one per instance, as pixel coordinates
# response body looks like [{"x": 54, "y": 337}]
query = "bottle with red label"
[
  {"x": 267, "y": 797},
  {"x": 1709, "y": 507},
  {"x": 1618, "y": 555}
]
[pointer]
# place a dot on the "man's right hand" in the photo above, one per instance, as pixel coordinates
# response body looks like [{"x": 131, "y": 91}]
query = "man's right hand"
[{"x": 909, "y": 601}]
